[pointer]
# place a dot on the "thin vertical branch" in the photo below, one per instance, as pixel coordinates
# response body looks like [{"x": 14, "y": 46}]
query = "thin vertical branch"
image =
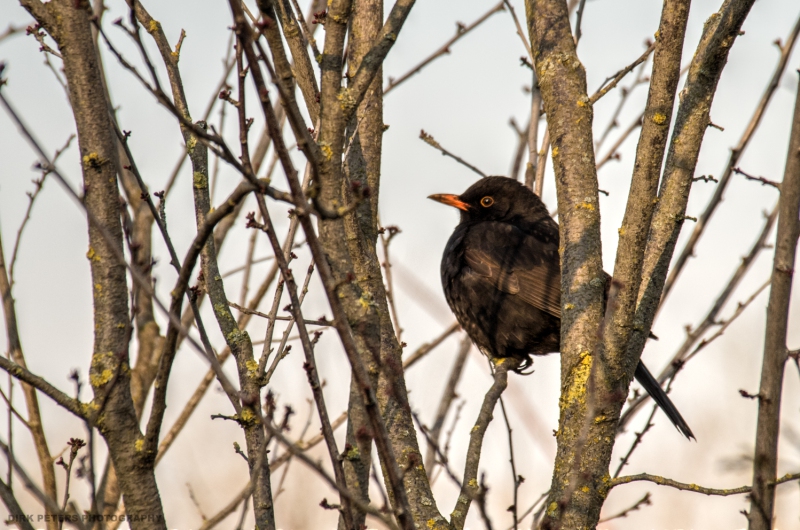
[
  {"x": 765, "y": 457},
  {"x": 470, "y": 488},
  {"x": 445, "y": 402}
]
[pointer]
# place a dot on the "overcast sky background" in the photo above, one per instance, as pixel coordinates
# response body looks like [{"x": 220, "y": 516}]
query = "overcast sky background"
[{"x": 465, "y": 100}]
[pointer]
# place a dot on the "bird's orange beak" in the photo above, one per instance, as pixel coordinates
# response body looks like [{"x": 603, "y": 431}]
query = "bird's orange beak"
[{"x": 450, "y": 200}]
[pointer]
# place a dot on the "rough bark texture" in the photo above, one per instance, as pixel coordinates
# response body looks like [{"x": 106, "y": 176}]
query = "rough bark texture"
[
  {"x": 363, "y": 165},
  {"x": 765, "y": 458},
  {"x": 580, "y": 466},
  {"x": 719, "y": 34},
  {"x": 303, "y": 70},
  {"x": 643, "y": 194},
  {"x": 595, "y": 380},
  {"x": 238, "y": 342},
  {"x": 364, "y": 299},
  {"x": 69, "y": 24}
]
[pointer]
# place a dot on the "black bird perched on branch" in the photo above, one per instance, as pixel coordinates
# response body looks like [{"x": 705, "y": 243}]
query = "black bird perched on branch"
[{"x": 501, "y": 274}]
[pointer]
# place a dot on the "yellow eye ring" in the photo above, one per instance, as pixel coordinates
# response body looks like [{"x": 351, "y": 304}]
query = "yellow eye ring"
[{"x": 487, "y": 201}]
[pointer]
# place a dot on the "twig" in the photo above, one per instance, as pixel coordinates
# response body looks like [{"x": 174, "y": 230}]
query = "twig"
[
  {"x": 10, "y": 31},
  {"x": 427, "y": 347},
  {"x": 443, "y": 460},
  {"x": 765, "y": 455},
  {"x": 762, "y": 180},
  {"x": 461, "y": 31},
  {"x": 612, "y": 153},
  {"x": 196, "y": 503},
  {"x": 661, "y": 481},
  {"x": 75, "y": 444},
  {"x": 538, "y": 185},
  {"x": 625, "y": 92},
  {"x": 431, "y": 141},
  {"x": 530, "y": 509},
  {"x": 318, "y": 322},
  {"x": 30, "y": 485},
  {"x": 520, "y": 32},
  {"x": 616, "y": 78},
  {"x": 578, "y": 21},
  {"x": 532, "y": 177},
  {"x": 516, "y": 479},
  {"x": 469, "y": 487},
  {"x": 387, "y": 266},
  {"x": 248, "y": 267},
  {"x": 308, "y": 35},
  {"x": 519, "y": 152},
  {"x": 711, "y": 318},
  {"x": 699, "y": 228},
  {"x": 639, "y": 435},
  {"x": 740, "y": 307},
  {"x": 38, "y": 185},
  {"x": 644, "y": 501},
  {"x": 449, "y": 435},
  {"x": 446, "y": 401},
  {"x": 344, "y": 492}
]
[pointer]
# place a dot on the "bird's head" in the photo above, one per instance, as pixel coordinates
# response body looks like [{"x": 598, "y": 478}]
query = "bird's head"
[{"x": 496, "y": 199}]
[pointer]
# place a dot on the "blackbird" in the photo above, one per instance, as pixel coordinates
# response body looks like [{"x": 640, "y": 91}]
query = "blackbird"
[{"x": 501, "y": 274}]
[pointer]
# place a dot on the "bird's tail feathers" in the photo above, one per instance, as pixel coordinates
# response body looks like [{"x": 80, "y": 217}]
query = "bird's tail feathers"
[{"x": 653, "y": 388}]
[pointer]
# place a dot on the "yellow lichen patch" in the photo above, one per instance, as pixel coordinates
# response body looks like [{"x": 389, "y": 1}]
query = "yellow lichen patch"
[
  {"x": 92, "y": 255},
  {"x": 191, "y": 143},
  {"x": 567, "y": 307},
  {"x": 346, "y": 99},
  {"x": 139, "y": 444},
  {"x": 98, "y": 287},
  {"x": 659, "y": 119},
  {"x": 552, "y": 509},
  {"x": 577, "y": 387},
  {"x": 353, "y": 453},
  {"x": 200, "y": 180},
  {"x": 365, "y": 301},
  {"x": 236, "y": 336},
  {"x": 153, "y": 26},
  {"x": 326, "y": 150},
  {"x": 102, "y": 378},
  {"x": 600, "y": 419},
  {"x": 473, "y": 483},
  {"x": 92, "y": 160},
  {"x": 247, "y": 416},
  {"x": 585, "y": 205},
  {"x": 555, "y": 152},
  {"x": 621, "y": 231},
  {"x": 89, "y": 408},
  {"x": 585, "y": 489},
  {"x": 252, "y": 367}
]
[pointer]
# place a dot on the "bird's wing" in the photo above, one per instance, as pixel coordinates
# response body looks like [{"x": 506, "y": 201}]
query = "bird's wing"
[{"x": 517, "y": 263}]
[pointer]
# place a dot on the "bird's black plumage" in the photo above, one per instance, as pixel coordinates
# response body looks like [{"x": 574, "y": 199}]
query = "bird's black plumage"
[{"x": 501, "y": 275}]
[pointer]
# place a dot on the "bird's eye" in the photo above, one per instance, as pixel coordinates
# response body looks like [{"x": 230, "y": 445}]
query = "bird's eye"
[{"x": 487, "y": 201}]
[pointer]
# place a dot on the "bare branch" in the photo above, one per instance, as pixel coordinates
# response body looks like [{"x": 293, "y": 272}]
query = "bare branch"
[
  {"x": 688, "y": 251},
  {"x": 431, "y": 141},
  {"x": 765, "y": 456},
  {"x": 470, "y": 489},
  {"x": 461, "y": 31}
]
